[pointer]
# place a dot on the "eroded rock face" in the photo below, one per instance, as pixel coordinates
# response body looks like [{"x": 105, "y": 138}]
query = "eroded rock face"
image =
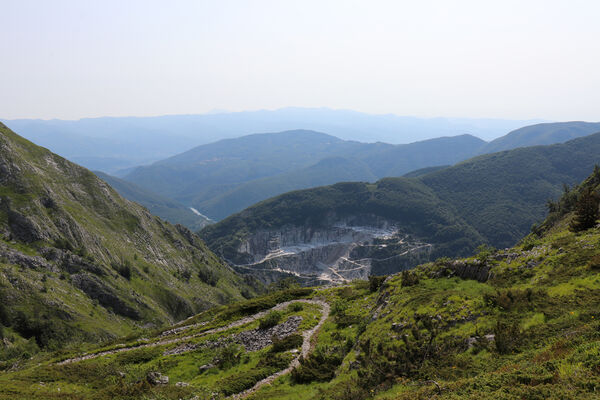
[
  {"x": 24, "y": 229},
  {"x": 11, "y": 256},
  {"x": 106, "y": 296},
  {"x": 72, "y": 263},
  {"x": 338, "y": 250}
]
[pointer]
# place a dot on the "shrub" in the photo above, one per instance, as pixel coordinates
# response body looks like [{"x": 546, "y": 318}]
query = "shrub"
[
  {"x": 274, "y": 361},
  {"x": 270, "y": 320},
  {"x": 207, "y": 276},
  {"x": 484, "y": 252},
  {"x": 507, "y": 337},
  {"x": 123, "y": 268},
  {"x": 296, "y": 307},
  {"x": 229, "y": 356},
  {"x": 587, "y": 211},
  {"x": 409, "y": 278},
  {"x": 287, "y": 343},
  {"x": 241, "y": 381},
  {"x": 320, "y": 366},
  {"x": 375, "y": 282},
  {"x": 63, "y": 244}
]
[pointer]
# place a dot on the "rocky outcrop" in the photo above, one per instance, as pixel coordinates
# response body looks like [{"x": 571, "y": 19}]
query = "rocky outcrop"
[
  {"x": 257, "y": 339},
  {"x": 106, "y": 295},
  {"x": 11, "y": 256},
  {"x": 468, "y": 269},
  {"x": 72, "y": 263},
  {"x": 156, "y": 378}
]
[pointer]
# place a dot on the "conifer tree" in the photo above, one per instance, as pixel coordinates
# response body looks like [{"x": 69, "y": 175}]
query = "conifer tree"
[{"x": 587, "y": 211}]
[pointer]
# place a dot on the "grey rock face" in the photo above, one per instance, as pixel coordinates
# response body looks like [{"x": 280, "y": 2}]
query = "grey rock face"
[
  {"x": 466, "y": 269},
  {"x": 23, "y": 228},
  {"x": 15, "y": 257},
  {"x": 106, "y": 296},
  {"x": 72, "y": 263}
]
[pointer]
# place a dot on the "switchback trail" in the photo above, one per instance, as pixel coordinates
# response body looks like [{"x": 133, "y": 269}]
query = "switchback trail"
[
  {"x": 307, "y": 336},
  {"x": 243, "y": 321}
]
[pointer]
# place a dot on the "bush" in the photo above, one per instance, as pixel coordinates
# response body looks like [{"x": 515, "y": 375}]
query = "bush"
[
  {"x": 207, "y": 276},
  {"x": 587, "y": 211},
  {"x": 241, "y": 381},
  {"x": 507, "y": 337},
  {"x": 274, "y": 362},
  {"x": 229, "y": 356},
  {"x": 375, "y": 282},
  {"x": 320, "y": 366},
  {"x": 270, "y": 320},
  {"x": 63, "y": 244},
  {"x": 296, "y": 307},
  {"x": 123, "y": 268},
  {"x": 484, "y": 252},
  {"x": 409, "y": 278},
  {"x": 287, "y": 343}
]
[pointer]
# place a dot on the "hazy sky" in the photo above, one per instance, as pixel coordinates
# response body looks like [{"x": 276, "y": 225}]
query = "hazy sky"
[{"x": 505, "y": 59}]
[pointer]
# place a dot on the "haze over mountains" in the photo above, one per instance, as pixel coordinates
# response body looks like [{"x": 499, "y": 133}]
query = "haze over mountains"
[
  {"x": 226, "y": 176},
  {"x": 110, "y": 144}
]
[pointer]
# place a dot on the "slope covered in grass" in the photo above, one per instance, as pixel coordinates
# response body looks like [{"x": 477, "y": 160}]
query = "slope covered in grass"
[{"x": 79, "y": 263}]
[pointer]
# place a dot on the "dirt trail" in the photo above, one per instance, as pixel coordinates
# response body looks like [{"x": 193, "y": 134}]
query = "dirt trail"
[
  {"x": 306, "y": 346},
  {"x": 235, "y": 324}
]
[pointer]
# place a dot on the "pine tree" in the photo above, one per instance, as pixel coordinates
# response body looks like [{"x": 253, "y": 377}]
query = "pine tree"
[{"x": 587, "y": 211}]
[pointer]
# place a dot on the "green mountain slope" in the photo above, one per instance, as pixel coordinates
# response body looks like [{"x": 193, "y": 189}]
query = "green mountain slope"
[
  {"x": 326, "y": 171},
  {"x": 79, "y": 263},
  {"x": 502, "y": 194},
  {"x": 541, "y": 134},
  {"x": 401, "y": 159},
  {"x": 168, "y": 209},
  {"x": 520, "y": 323},
  {"x": 491, "y": 199},
  {"x": 216, "y": 178},
  {"x": 410, "y": 203}
]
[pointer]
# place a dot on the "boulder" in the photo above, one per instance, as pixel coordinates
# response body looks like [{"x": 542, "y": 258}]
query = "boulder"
[{"x": 156, "y": 378}]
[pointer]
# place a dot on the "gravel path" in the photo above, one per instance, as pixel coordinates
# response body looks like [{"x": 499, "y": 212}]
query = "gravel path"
[
  {"x": 240, "y": 322},
  {"x": 306, "y": 345}
]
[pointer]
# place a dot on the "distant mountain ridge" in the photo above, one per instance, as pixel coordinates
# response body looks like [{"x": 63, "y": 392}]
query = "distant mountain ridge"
[
  {"x": 227, "y": 176},
  {"x": 113, "y": 143},
  {"x": 493, "y": 199},
  {"x": 540, "y": 134}
]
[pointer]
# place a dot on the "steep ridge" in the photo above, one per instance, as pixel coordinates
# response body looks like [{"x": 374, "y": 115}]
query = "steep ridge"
[
  {"x": 168, "y": 209},
  {"x": 78, "y": 262},
  {"x": 453, "y": 210}
]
